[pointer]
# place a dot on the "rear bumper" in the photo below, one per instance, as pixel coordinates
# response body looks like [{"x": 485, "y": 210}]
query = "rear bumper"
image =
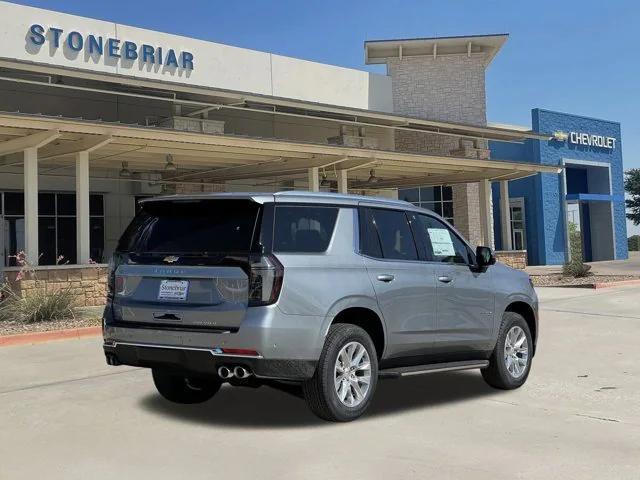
[
  {"x": 204, "y": 362},
  {"x": 289, "y": 346}
]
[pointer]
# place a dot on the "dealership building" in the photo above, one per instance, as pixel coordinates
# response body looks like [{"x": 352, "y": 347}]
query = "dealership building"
[{"x": 95, "y": 116}]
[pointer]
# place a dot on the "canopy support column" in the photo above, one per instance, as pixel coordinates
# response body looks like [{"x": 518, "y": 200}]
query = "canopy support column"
[
  {"x": 505, "y": 216},
  {"x": 314, "y": 179},
  {"x": 31, "y": 247},
  {"x": 486, "y": 213},
  {"x": 83, "y": 252},
  {"x": 343, "y": 185}
]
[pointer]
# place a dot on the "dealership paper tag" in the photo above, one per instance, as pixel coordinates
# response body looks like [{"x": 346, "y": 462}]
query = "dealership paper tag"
[{"x": 441, "y": 242}]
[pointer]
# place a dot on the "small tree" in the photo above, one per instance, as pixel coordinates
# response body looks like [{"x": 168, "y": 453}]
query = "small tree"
[
  {"x": 634, "y": 243},
  {"x": 632, "y": 186},
  {"x": 576, "y": 266}
]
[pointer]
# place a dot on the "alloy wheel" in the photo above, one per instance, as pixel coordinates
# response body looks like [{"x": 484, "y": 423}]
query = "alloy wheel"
[
  {"x": 352, "y": 374},
  {"x": 516, "y": 351}
]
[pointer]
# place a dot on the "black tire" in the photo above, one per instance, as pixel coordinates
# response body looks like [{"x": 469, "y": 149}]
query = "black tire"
[
  {"x": 187, "y": 390},
  {"x": 497, "y": 374},
  {"x": 320, "y": 393}
]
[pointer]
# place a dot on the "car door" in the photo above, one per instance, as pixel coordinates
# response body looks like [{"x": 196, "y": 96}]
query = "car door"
[
  {"x": 404, "y": 286},
  {"x": 465, "y": 295}
]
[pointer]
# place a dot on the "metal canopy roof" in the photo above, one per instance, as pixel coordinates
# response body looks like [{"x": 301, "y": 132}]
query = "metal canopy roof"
[
  {"x": 216, "y": 159},
  {"x": 198, "y": 99}
]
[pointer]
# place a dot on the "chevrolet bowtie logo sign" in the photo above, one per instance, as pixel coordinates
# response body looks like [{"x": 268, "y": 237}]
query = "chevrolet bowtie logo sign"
[
  {"x": 170, "y": 259},
  {"x": 560, "y": 136}
]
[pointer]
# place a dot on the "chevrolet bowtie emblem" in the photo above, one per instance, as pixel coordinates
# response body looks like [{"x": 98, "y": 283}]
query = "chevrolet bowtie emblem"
[
  {"x": 560, "y": 136},
  {"x": 171, "y": 259}
]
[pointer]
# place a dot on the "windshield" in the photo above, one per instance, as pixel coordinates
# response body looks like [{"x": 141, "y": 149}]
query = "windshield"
[{"x": 192, "y": 227}]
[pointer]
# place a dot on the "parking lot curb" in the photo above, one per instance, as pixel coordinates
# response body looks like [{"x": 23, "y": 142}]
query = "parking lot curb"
[
  {"x": 614, "y": 284},
  {"x": 41, "y": 337}
]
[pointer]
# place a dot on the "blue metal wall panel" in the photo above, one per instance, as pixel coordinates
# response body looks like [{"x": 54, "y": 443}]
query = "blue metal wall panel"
[{"x": 546, "y": 242}]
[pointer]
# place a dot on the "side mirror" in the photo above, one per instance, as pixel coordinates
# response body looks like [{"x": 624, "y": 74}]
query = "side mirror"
[{"x": 484, "y": 257}]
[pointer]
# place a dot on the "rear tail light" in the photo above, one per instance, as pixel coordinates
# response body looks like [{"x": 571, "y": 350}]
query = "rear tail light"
[
  {"x": 265, "y": 280},
  {"x": 114, "y": 262}
]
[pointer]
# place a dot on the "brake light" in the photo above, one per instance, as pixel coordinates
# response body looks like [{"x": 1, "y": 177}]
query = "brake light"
[
  {"x": 114, "y": 262},
  {"x": 265, "y": 280}
]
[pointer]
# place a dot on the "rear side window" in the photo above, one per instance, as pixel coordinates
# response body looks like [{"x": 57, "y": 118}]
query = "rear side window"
[
  {"x": 303, "y": 229},
  {"x": 395, "y": 240},
  {"x": 192, "y": 227}
]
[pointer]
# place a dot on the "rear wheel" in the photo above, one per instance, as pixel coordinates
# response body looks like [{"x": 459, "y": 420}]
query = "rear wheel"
[
  {"x": 181, "y": 389},
  {"x": 346, "y": 376},
  {"x": 510, "y": 362}
]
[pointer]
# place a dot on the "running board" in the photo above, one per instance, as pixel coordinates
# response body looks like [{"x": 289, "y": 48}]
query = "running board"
[{"x": 432, "y": 368}]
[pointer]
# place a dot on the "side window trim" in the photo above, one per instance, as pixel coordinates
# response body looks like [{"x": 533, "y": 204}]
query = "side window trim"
[
  {"x": 422, "y": 243},
  {"x": 367, "y": 230}
]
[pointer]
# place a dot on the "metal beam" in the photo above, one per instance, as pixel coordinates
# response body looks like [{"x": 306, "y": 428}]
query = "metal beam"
[
  {"x": 281, "y": 167},
  {"x": 86, "y": 144},
  {"x": 36, "y": 140}
]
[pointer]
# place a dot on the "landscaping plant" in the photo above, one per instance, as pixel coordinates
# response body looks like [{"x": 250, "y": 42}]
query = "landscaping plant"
[
  {"x": 576, "y": 266},
  {"x": 39, "y": 305},
  {"x": 632, "y": 187}
]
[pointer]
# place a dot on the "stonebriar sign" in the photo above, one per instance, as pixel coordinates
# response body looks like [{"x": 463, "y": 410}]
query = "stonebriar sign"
[{"x": 97, "y": 45}]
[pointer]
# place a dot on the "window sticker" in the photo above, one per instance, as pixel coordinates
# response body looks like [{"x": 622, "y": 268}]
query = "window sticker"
[{"x": 441, "y": 242}]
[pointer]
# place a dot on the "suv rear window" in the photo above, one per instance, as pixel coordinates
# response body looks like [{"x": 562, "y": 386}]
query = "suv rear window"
[
  {"x": 193, "y": 227},
  {"x": 303, "y": 229}
]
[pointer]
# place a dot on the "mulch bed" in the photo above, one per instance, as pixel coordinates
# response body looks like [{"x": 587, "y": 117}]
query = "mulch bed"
[
  {"x": 14, "y": 328},
  {"x": 556, "y": 280}
]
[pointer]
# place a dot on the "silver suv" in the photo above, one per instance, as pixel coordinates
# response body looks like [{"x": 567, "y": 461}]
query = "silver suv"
[{"x": 317, "y": 292}]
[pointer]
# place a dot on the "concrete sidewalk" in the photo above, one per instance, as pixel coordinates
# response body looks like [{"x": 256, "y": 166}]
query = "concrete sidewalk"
[
  {"x": 631, "y": 266},
  {"x": 67, "y": 415}
]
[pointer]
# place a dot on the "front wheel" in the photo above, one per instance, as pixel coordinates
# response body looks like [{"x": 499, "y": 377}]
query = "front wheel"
[
  {"x": 181, "y": 389},
  {"x": 346, "y": 376},
  {"x": 510, "y": 362}
]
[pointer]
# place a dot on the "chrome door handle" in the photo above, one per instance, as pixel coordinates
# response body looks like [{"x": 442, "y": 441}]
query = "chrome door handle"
[
  {"x": 444, "y": 279},
  {"x": 386, "y": 278}
]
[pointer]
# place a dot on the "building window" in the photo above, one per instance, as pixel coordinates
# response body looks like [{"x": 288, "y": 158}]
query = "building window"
[
  {"x": 518, "y": 228},
  {"x": 437, "y": 199},
  {"x": 56, "y": 226}
]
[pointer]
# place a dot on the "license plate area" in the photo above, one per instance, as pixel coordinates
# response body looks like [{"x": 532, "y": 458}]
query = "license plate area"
[{"x": 173, "y": 290}]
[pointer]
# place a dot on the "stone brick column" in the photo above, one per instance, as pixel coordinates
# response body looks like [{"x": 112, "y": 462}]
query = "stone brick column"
[{"x": 448, "y": 88}]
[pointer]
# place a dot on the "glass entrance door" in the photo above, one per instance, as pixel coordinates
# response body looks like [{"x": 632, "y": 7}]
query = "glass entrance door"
[{"x": 518, "y": 230}]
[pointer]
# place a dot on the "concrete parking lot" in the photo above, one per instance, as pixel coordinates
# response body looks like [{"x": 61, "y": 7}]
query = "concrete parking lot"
[{"x": 66, "y": 415}]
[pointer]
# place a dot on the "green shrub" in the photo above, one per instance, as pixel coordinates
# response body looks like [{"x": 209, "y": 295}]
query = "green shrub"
[
  {"x": 634, "y": 243},
  {"x": 576, "y": 269},
  {"x": 576, "y": 266},
  {"x": 37, "y": 306}
]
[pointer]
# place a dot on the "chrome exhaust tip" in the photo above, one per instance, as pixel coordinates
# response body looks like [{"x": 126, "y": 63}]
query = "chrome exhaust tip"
[
  {"x": 241, "y": 372},
  {"x": 225, "y": 373}
]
